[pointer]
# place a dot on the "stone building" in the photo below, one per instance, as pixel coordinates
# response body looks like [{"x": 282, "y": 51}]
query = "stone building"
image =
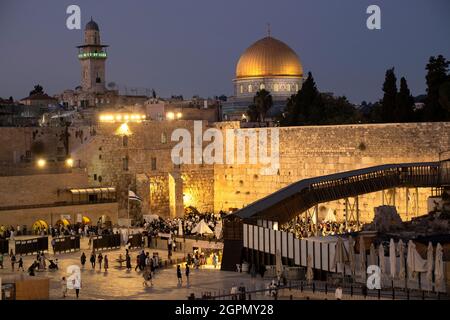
[{"x": 93, "y": 92}]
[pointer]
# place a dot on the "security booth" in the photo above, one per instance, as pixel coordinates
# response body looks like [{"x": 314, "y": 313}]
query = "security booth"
[{"x": 24, "y": 287}]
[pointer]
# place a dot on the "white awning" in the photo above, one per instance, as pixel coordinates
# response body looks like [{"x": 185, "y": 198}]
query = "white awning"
[{"x": 93, "y": 191}]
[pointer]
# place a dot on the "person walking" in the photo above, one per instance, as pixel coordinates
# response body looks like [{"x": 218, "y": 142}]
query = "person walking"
[
  {"x": 20, "y": 264},
  {"x": 137, "y": 263},
  {"x": 32, "y": 268},
  {"x": 100, "y": 260},
  {"x": 92, "y": 260},
  {"x": 63, "y": 287},
  {"x": 214, "y": 260},
  {"x": 106, "y": 263},
  {"x": 180, "y": 281},
  {"x": 147, "y": 276},
  {"x": 187, "y": 272},
  {"x": 77, "y": 286},
  {"x": 13, "y": 261},
  {"x": 83, "y": 259}
]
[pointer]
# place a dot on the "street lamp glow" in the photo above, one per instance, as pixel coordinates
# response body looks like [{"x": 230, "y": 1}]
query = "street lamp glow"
[
  {"x": 69, "y": 162},
  {"x": 170, "y": 115},
  {"x": 179, "y": 115},
  {"x": 124, "y": 130},
  {"x": 41, "y": 163}
]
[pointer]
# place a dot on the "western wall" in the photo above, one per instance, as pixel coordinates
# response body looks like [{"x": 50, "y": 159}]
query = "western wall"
[{"x": 142, "y": 162}]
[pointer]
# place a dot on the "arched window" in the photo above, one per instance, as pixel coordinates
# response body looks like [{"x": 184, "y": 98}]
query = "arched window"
[
  {"x": 288, "y": 87},
  {"x": 276, "y": 87},
  {"x": 296, "y": 87},
  {"x": 262, "y": 86},
  {"x": 241, "y": 88},
  {"x": 250, "y": 89},
  {"x": 163, "y": 137}
]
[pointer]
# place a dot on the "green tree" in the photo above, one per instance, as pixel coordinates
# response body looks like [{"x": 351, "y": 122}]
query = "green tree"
[
  {"x": 38, "y": 89},
  {"x": 404, "y": 107},
  {"x": 252, "y": 113},
  {"x": 305, "y": 107},
  {"x": 389, "y": 97},
  {"x": 437, "y": 76},
  {"x": 263, "y": 102},
  {"x": 338, "y": 110}
]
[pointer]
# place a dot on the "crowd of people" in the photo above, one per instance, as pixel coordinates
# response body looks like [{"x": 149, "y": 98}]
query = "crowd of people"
[
  {"x": 188, "y": 223},
  {"x": 55, "y": 231},
  {"x": 303, "y": 227}
]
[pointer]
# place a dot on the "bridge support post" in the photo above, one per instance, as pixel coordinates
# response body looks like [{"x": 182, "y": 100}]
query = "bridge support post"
[{"x": 351, "y": 212}]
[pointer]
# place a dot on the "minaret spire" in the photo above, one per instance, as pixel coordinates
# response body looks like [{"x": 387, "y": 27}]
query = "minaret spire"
[{"x": 268, "y": 29}]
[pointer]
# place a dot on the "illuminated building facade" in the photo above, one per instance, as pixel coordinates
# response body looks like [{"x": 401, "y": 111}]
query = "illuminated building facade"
[{"x": 268, "y": 64}]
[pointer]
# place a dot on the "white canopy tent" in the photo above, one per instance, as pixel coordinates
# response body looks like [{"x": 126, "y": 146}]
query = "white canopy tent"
[
  {"x": 330, "y": 217},
  {"x": 202, "y": 228}
]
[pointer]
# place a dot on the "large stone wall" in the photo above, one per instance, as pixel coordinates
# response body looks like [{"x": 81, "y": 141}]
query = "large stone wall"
[
  {"x": 304, "y": 152},
  {"x": 39, "y": 189},
  {"x": 319, "y": 150}
]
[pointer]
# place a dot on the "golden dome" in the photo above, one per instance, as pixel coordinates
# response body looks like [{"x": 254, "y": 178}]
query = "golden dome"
[{"x": 268, "y": 57}]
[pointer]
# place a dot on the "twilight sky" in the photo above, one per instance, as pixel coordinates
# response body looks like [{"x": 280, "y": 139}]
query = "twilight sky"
[{"x": 191, "y": 46}]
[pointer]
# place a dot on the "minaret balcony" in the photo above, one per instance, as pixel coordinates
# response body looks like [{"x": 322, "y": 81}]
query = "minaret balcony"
[{"x": 92, "y": 55}]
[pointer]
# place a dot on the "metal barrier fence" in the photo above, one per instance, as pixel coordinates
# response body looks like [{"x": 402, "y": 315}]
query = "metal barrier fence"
[
  {"x": 322, "y": 289},
  {"x": 107, "y": 241},
  {"x": 4, "y": 246},
  {"x": 135, "y": 240},
  {"x": 66, "y": 244},
  {"x": 31, "y": 246}
]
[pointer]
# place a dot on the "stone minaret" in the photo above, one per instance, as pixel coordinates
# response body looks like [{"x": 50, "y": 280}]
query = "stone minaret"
[{"x": 92, "y": 55}]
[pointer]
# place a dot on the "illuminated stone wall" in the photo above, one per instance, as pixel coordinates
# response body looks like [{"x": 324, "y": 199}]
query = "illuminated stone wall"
[
  {"x": 304, "y": 152},
  {"x": 319, "y": 150}
]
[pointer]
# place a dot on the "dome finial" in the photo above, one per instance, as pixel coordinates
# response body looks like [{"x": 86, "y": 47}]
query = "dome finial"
[{"x": 268, "y": 29}]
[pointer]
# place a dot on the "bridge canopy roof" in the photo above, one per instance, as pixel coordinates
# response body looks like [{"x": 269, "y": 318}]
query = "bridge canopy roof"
[{"x": 286, "y": 203}]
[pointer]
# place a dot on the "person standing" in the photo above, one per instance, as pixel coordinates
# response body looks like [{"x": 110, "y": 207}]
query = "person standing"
[
  {"x": 1, "y": 260},
  {"x": 92, "y": 260},
  {"x": 20, "y": 264},
  {"x": 214, "y": 260},
  {"x": 83, "y": 259},
  {"x": 180, "y": 281},
  {"x": 53, "y": 245},
  {"x": 100, "y": 259},
  {"x": 187, "y": 272},
  {"x": 64, "y": 287},
  {"x": 106, "y": 263},
  {"x": 13, "y": 261},
  {"x": 128, "y": 261},
  {"x": 338, "y": 293}
]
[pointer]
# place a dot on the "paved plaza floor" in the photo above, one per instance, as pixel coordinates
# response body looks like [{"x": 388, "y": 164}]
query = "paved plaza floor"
[{"x": 118, "y": 283}]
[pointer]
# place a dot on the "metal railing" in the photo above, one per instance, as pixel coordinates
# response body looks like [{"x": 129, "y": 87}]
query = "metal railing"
[{"x": 325, "y": 290}]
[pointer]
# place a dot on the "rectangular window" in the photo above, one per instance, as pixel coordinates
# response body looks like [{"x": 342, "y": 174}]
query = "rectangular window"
[
  {"x": 125, "y": 163},
  {"x": 95, "y": 177},
  {"x": 153, "y": 164},
  {"x": 125, "y": 141}
]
